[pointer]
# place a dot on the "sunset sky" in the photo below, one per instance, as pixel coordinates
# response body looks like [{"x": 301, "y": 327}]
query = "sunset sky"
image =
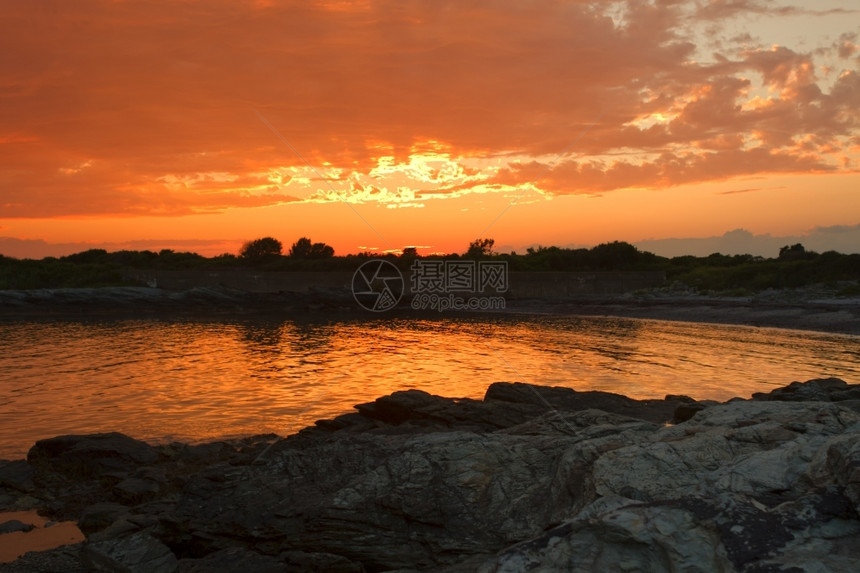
[{"x": 678, "y": 125}]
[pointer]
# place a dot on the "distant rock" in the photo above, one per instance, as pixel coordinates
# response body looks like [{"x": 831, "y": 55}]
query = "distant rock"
[
  {"x": 568, "y": 399},
  {"x": 529, "y": 478},
  {"x": 818, "y": 389}
]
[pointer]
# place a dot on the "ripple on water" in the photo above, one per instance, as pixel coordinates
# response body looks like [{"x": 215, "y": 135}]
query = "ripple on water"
[{"x": 197, "y": 380}]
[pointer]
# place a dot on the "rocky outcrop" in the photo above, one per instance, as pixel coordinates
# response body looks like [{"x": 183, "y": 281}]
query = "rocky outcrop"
[
  {"x": 530, "y": 478},
  {"x": 819, "y": 389}
]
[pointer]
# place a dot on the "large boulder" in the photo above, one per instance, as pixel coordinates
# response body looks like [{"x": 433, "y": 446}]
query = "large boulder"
[
  {"x": 745, "y": 486},
  {"x": 89, "y": 455}
]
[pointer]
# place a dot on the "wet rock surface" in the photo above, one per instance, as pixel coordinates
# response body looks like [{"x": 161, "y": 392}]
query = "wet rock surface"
[{"x": 529, "y": 478}]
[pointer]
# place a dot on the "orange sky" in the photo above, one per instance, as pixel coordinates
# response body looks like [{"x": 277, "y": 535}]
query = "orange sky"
[{"x": 179, "y": 124}]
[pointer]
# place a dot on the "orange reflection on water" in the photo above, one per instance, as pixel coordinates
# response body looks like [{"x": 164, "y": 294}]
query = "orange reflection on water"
[{"x": 199, "y": 380}]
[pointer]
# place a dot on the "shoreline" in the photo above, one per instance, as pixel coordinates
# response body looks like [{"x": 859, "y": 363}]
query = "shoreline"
[
  {"x": 820, "y": 316},
  {"x": 788, "y": 310},
  {"x": 546, "y": 476}
]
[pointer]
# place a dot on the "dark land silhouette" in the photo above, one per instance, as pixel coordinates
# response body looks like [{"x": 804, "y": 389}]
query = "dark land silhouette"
[{"x": 716, "y": 274}]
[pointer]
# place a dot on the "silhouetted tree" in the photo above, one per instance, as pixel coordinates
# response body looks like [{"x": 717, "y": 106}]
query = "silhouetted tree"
[
  {"x": 88, "y": 256},
  {"x": 304, "y": 248},
  {"x": 261, "y": 250},
  {"x": 321, "y": 251},
  {"x": 480, "y": 248},
  {"x": 409, "y": 252},
  {"x": 301, "y": 248},
  {"x": 224, "y": 259},
  {"x": 615, "y": 255},
  {"x": 794, "y": 252}
]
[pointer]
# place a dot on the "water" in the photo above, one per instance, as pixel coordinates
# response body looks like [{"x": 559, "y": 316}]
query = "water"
[{"x": 195, "y": 380}]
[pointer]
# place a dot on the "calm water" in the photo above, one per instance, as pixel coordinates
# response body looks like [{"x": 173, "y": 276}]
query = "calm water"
[{"x": 194, "y": 380}]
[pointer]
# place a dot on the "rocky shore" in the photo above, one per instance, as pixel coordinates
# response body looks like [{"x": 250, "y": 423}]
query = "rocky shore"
[
  {"x": 809, "y": 309},
  {"x": 529, "y": 478}
]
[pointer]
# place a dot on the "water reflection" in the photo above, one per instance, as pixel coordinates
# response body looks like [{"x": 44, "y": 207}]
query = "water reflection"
[{"x": 193, "y": 380}]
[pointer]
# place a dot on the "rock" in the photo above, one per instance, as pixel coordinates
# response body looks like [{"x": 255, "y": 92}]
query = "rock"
[
  {"x": 742, "y": 447},
  {"x": 679, "y": 398},
  {"x": 819, "y": 389},
  {"x": 738, "y": 480},
  {"x": 838, "y": 462},
  {"x": 72, "y": 472},
  {"x": 65, "y": 559},
  {"x": 385, "y": 501},
  {"x": 14, "y": 525},
  {"x": 230, "y": 560},
  {"x": 567, "y": 399},
  {"x": 301, "y": 561},
  {"x": 403, "y": 500},
  {"x": 687, "y": 410},
  {"x": 505, "y": 405},
  {"x": 743, "y": 486},
  {"x": 17, "y": 475},
  {"x": 843, "y": 395},
  {"x": 416, "y": 410},
  {"x": 136, "y": 553},
  {"x": 91, "y": 455},
  {"x": 689, "y": 534},
  {"x": 242, "y": 559},
  {"x": 529, "y": 477},
  {"x": 99, "y": 516},
  {"x": 613, "y": 535},
  {"x": 132, "y": 491}
]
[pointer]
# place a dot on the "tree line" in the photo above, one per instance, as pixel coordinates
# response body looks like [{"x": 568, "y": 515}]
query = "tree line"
[{"x": 793, "y": 266}]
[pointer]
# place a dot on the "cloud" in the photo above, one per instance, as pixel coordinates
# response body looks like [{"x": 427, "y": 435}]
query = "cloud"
[
  {"x": 152, "y": 108},
  {"x": 749, "y": 190},
  {"x": 840, "y": 238}
]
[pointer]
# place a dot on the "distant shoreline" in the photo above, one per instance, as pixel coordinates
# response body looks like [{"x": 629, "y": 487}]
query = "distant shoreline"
[
  {"x": 823, "y": 316},
  {"x": 780, "y": 310}
]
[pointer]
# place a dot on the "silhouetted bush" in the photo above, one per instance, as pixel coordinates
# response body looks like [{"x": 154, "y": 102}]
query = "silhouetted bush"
[
  {"x": 304, "y": 248},
  {"x": 261, "y": 250}
]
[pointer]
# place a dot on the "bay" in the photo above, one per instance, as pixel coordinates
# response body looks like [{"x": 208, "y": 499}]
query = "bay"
[{"x": 195, "y": 380}]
